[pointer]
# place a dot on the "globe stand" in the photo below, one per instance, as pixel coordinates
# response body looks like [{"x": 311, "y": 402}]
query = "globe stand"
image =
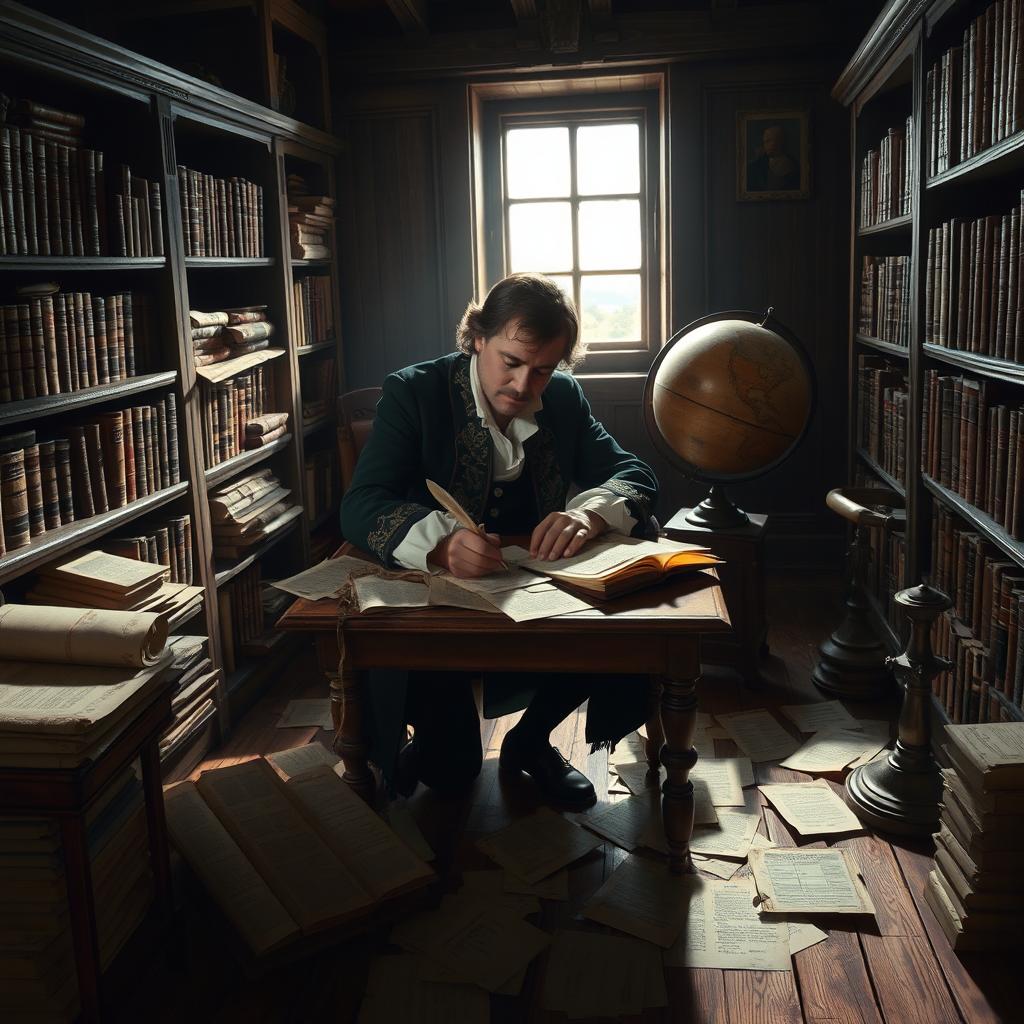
[
  {"x": 717, "y": 512},
  {"x": 901, "y": 794}
]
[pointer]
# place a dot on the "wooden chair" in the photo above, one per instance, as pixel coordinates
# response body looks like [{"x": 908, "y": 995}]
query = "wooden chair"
[{"x": 356, "y": 410}]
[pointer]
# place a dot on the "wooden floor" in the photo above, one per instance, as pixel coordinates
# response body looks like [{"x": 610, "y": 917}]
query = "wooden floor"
[{"x": 900, "y": 971}]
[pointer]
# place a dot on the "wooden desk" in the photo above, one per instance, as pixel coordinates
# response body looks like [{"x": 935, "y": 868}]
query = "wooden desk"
[
  {"x": 656, "y": 631},
  {"x": 66, "y": 794}
]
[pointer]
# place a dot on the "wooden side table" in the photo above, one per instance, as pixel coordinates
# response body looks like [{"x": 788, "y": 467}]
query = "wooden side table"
[
  {"x": 66, "y": 794},
  {"x": 743, "y": 585}
]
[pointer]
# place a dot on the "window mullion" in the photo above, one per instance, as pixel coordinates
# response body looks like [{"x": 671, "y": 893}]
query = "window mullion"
[{"x": 575, "y": 213}]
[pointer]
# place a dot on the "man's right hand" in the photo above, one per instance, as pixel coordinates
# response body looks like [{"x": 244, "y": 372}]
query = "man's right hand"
[{"x": 468, "y": 554}]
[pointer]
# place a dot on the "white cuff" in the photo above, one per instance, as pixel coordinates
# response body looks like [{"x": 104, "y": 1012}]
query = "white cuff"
[
  {"x": 422, "y": 538},
  {"x": 612, "y": 508}
]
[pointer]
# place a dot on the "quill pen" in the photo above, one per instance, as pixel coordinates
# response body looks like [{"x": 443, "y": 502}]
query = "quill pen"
[{"x": 451, "y": 506}]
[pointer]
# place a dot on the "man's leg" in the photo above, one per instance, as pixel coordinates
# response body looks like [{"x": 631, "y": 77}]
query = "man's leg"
[
  {"x": 527, "y": 747},
  {"x": 446, "y": 754}
]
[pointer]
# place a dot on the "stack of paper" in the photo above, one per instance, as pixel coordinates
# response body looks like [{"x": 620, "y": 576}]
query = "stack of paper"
[
  {"x": 192, "y": 699},
  {"x": 812, "y": 808}
]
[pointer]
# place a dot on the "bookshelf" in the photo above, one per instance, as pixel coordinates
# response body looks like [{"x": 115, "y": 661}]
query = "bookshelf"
[
  {"x": 157, "y": 120},
  {"x": 949, "y": 69}
]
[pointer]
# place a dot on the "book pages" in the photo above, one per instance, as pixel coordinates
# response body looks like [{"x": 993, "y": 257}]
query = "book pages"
[
  {"x": 723, "y": 929},
  {"x": 812, "y": 808},
  {"x": 229, "y": 877},
  {"x": 809, "y": 882},
  {"x": 595, "y": 975},
  {"x": 879, "y": 730},
  {"x": 825, "y": 715},
  {"x": 803, "y": 935},
  {"x": 89, "y": 637},
  {"x": 599, "y": 557},
  {"x": 538, "y": 845},
  {"x": 305, "y": 713},
  {"x": 829, "y": 751},
  {"x": 297, "y": 760},
  {"x": 554, "y": 887},
  {"x": 378, "y": 859},
  {"x": 396, "y": 990},
  {"x": 735, "y": 830},
  {"x": 636, "y": 821},
  {"x": 375, "y": 592},
  {"x": 323, "y": 580},
  {"x": 642, "y": 898},
  {"x": 727, "y": 868},
  {"x": 991, "y": 748},
  {"x": 758, "y": 734}
]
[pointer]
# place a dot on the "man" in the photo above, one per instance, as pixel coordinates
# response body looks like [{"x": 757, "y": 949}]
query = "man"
[
  {"x": 507, "y": 435},
  {"x": 773, "y": 170}
]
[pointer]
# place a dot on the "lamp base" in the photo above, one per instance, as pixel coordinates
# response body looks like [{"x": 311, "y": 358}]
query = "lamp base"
[
  {"x": 717, "y": 512},
  {"x": 891, "y": 797}
]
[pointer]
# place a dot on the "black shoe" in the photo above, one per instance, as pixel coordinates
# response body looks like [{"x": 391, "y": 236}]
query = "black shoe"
[{"x": 555, "y": 776}]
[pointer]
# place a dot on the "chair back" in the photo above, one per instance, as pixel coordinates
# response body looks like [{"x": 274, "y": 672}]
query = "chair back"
[{"x": 356, "y": 410}]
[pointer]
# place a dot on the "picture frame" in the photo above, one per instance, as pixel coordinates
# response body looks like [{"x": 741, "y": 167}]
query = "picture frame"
[{"x": 772, "y": 155}]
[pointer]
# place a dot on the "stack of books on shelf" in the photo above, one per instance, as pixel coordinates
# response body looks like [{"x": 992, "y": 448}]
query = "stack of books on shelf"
[
  {"x": 195, "y": 687},
  {"x": 225, "y": 334},
  {"x": 973, "y": 285},
  {"x": 982, "y": 633},
  {"x": 974, "y": 888},
  {"x": 169, "y": 545},
  {"x": 247, "y": 511},
  {"x": 882, "y": 404},
  {"x": 310, "y": 220},
  {"x": 53, "y": 342},
  {"x": 312, "y": 313},
  {"x": 99, "y": 579},
  {"x": 974, "y": 94},
  {"x": 36, "y": 955},
  {"x": 101, "y": 465},
  {"x": 885, "y": 177},
  {"x": 61, "y": 200},
  {"x": 220, "y": 217},
  {"x": 237, "y": 415},
  {"x": 974, "y": 448},
  {"x": 321, "y": 492},
  {"x": 319, "y": 389},
  {"x": 249, "y": 607},
  {"x": 885, "y": 299}
]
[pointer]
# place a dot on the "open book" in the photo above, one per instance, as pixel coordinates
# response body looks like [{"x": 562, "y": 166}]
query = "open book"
[
  {"x": 284, "y": 859},
  {"x": 614, "y": 565}
]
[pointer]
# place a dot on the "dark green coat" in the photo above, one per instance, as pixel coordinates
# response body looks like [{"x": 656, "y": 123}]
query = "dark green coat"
[{"x": 426, "y": 427}]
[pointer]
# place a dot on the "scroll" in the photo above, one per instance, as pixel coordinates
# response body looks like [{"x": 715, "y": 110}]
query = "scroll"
[{"x": 81, "y": 636}]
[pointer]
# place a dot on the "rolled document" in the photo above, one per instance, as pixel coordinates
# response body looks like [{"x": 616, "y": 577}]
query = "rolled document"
[{"x": 81, "y": 637}]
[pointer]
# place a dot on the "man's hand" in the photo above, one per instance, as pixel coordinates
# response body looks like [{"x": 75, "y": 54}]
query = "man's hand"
[
  {"x": 467, "y": 554},
  {"x": 563, "y": 534}
]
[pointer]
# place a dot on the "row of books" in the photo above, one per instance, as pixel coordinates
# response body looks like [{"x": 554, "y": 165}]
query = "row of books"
[
  {"x": 322, "y": 482},
  {"x": 220, "y": 216},
  {"x": 883, "y": 399},
  {"x": 54, "y": 343},
  {"x": 986, "y": 589},
  {"x": 973, "y": 290},
  {"x": 974, "y": 887},
  {"x": 193, "y": 700},
  {"x": 246, "y": 511},
  {"x": 965, "y": 691},
  {"x": 103, "y": 464},
  {"x": 37, "y": 959},
  {"x": 230, "y": 406},
  {"x": 169, "y": 544},
  {"x": 974, "y": 94},
  {"x": 312, "y": 312},
  {"x": 224, "y": 334},
  {"x": 319, "y": 388},
  {"x": 241, "y": 615},
  {"x": 974, "y": 448},
  {"x": 885, "y": 177},
  {"x": 310, "y": 220},
  {"x": 885, "y": 299}
]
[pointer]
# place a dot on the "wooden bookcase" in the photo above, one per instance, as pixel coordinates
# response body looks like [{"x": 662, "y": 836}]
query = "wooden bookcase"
[
  {"x": 886, "y": 81},
  {"x": 155, "y": 118}
]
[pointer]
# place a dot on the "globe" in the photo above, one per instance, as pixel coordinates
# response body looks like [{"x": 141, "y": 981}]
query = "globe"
[{"x": 729, "y": 398}]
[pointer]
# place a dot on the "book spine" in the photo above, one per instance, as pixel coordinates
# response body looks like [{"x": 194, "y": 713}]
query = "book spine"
[
  {"x": 65, "y": 487},
  {"x": 97, "y": 467},
  {"x": 34, "y": 491},
  {"x": 85, "y": 368},
  {"x": 156, "y": 218},
  {"x": 161, "y": 438},
  {"x": 92, "y": 212},
  {"x": 129, "y": 454},
  {"x": 113, "y": 343},
  {"x": 99, "y": 321},
  {"x": 126, "y": 333},
  {"x": 7, "y": 191},
  {"x": 149, "y": 439},
  {"x": 14, "y": 500},
  {"x": 42, "y": 196},
  {"x": 92, "y": 355},
  {"x": 18, "y": 192},
  {"x": 173, "y": 461},
  {"x": 67, "y": 363},
  {"x": 139, "y": 442},
  {"x": 12, "y": 334},
  {"x": 28, "y": 364},
  {"x": 48, "y": 477},
  {"x": 112, "y": 431}
]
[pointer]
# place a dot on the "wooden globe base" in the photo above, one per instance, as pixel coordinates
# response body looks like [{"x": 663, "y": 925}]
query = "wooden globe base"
[
  {"x": 717, "y": 512},
  {"x": 899, "y": 795}
]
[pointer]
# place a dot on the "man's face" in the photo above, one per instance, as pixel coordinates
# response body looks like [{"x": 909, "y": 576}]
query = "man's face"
[
  {"x": 772, "y": 140},
  {"x": 514, "y": 372}
]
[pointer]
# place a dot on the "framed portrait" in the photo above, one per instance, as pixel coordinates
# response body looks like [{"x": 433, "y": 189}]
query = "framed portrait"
[{"x": 773, "y": 155}]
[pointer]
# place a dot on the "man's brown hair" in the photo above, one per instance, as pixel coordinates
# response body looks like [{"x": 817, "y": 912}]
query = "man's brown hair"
[{"x": 542, "y": 308}]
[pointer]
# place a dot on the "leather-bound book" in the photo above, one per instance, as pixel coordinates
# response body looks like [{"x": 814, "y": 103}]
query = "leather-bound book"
[
  {"x": 27, "y": 349},
  {"x": 1011, "y": 463},
  {"x": 111, "y": 428},
  {"x": 34, "y": 491},
  {"x": 74, "y": 304},
  {"x": 12, "y": 335},
  {"x": 152, "y": 454},
  {"x": 90, "y": 338},
  {"x": 173, "y": 460},
  {"x": 18, "y": 191},
  {"x": 42, "y": 195},
  {"x": 65, "y": 486},
  {"x": 38, "y": 347},
  {"x": 7, "y": 191},
  {"x": 126, "y": 333},
  {"x": 48, "y": 476},
  {"x": 77, "y": 225},
  {"x": 129, "y": 454},
  {"x": 14, "y": 500},
  {"x": 160, "y": 439},
  {"x": 97, "y": 467},
  {"x": 1002, "y": 440},
  {"x": 139, "y": 443},
  {"x": 28, "y": 181},
  {"x": 101, "y": 341},
  {"x": 163, "y": 553},
  {"x": 91, "y": 212},
  {"x": 67, "y": 365}
]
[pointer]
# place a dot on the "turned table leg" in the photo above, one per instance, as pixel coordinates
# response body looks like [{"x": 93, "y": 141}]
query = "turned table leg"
[
  {"x": 679, "y": 721},
  {"x": 655, "y": 733},
  {"x": 350, "y": 740}
]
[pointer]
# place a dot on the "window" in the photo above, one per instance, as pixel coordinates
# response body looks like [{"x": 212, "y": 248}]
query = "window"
[{"x": 574, "y": 194}]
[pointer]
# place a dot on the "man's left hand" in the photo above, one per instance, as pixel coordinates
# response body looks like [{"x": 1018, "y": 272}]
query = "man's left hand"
[{"x": 563, "y": 534}]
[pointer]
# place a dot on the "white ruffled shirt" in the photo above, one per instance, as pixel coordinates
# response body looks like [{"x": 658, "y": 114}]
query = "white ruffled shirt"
[{"x": 509, "y": 459}]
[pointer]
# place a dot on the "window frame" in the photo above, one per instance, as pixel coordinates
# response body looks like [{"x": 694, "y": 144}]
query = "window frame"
[{"x": 642, "y": 107}]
